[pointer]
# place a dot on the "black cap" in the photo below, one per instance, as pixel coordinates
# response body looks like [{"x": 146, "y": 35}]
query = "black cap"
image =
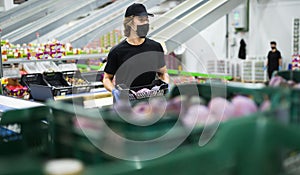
[{"x": 137, "y": 10}]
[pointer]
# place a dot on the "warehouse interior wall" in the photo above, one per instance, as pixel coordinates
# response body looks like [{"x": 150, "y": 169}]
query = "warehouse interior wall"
[
  {"x": 207, "y": 45},
  {"x": 6, "y": 5},
  {"x": 268, "y": 20},
  {"x": 272, "y": 20}
]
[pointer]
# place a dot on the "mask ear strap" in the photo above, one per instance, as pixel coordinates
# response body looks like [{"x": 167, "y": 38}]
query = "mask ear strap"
[{"x": 130, "y": 24}]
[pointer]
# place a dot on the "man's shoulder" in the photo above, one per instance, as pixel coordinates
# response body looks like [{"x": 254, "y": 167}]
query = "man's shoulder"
[
  {"x": 118, "y": 46},
  {"x": 151, "y": 41},
  {"x": 153, "y": 45}
]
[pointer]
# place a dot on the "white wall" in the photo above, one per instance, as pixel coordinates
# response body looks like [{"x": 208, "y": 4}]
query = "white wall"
[
  {"x": 208, "y": 44},
  {"x": 269, "y": 20},
  {"x": 272, "y": 20}
]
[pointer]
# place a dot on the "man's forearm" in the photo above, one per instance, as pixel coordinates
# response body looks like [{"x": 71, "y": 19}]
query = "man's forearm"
[
  {"x": 165, "y": 77},
  {"x": 163, "y": 74},
  {"x": 108, "y": 84},
  {"x": 280, "y": 62}
]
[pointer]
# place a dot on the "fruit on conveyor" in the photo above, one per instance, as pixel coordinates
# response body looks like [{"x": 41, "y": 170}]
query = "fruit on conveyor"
[
  {"x": 176, "y": 105},
  {"x": 76, "y": 81},
  {"x": 243, "y": 106},
  {"x": 266, "y": 105},
  {"x": 221, "y": 108},
  {"x": 142, "y": 109},
  {"x": 190, "y": 110},
  {"x": 197, "y": 115},
  {"x": 277, "y": 81}
]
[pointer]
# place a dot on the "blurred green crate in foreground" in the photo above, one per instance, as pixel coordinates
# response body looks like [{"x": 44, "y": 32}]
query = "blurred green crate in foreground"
[
  {"x": 81, "y": 133},
  {"x": 31, "y": 133},
  {"x": 21, "y": 164},
  {"x": 294, "y": 94},
  {"x": 218, "y": 89},
  {"x": 289, "y": 75},
  {"x": 24, "y": 137},
  {"x": 243, "y": 146},
  {"x": 250, "y": 145},
  {"x": 279, "y": 98}
]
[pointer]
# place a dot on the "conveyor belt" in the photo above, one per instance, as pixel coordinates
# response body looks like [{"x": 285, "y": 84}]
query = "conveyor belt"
[
  {"x": 173, "y": 28},
  {"x": 110, "y": 19},
  {"x": 24, "y": 14},
  {"x": 21, "y": 9},
  {"x": 94, "y": 19},
  {"x": 71, "y": 10},
  {"x": 174, "y": 32}
]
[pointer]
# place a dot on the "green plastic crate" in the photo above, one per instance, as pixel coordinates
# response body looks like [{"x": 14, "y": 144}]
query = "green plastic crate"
[
  {"x": 280, "y": 98},
  {"x": 289, "y": 75},
  {"x": 243, "y": 146},
  {"x": 294, "y": 95},
  {"x": 71, "y": 141},
  {"x": 215, "y": 89},
  {"x": 32, "y": 134},
  {"x": 68, "y": 141},
  {"x": 294, "y": 105},
  {"x": 21, "y": 164}
]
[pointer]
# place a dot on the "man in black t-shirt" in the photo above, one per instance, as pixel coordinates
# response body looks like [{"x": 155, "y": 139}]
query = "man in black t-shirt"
[
  {"x": 136, "y": 60},
  {"x": 274, "y": 62}
]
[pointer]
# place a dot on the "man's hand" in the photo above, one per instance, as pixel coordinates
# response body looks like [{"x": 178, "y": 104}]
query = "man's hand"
[
  {"x": 108, "y": 81},
  {"x": 265, "y": 68},
  {"x": 163, "y": 74},
  {"x": 116, "y": 94}
]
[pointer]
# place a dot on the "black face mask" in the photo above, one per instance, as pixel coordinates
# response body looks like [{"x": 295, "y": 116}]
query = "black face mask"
[
  {"x": 142, "y": 30},
  {"x": 273, "y": 48}
]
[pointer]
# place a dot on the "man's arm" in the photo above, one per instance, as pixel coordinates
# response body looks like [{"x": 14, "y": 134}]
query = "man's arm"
[
  {"x": 280, "y": 61},
  {"x": 107, "y": 81},
  {"x": 280, "y": 64},
  {"x": 163, "y": 74}
]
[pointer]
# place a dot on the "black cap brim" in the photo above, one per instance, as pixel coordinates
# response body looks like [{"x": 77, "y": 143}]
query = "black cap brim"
[{"x": 145, "y": 14}]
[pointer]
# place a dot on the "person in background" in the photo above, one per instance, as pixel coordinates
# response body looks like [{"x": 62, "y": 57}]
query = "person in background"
[
  {"x": 274, "y": 61},
  {"x": 137, "y": 60}
]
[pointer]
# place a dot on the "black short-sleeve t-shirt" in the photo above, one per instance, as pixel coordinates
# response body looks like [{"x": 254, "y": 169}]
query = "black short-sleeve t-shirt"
[
  {"x": 135, "y": 65},
  {"x": 273, "y": 60}
]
